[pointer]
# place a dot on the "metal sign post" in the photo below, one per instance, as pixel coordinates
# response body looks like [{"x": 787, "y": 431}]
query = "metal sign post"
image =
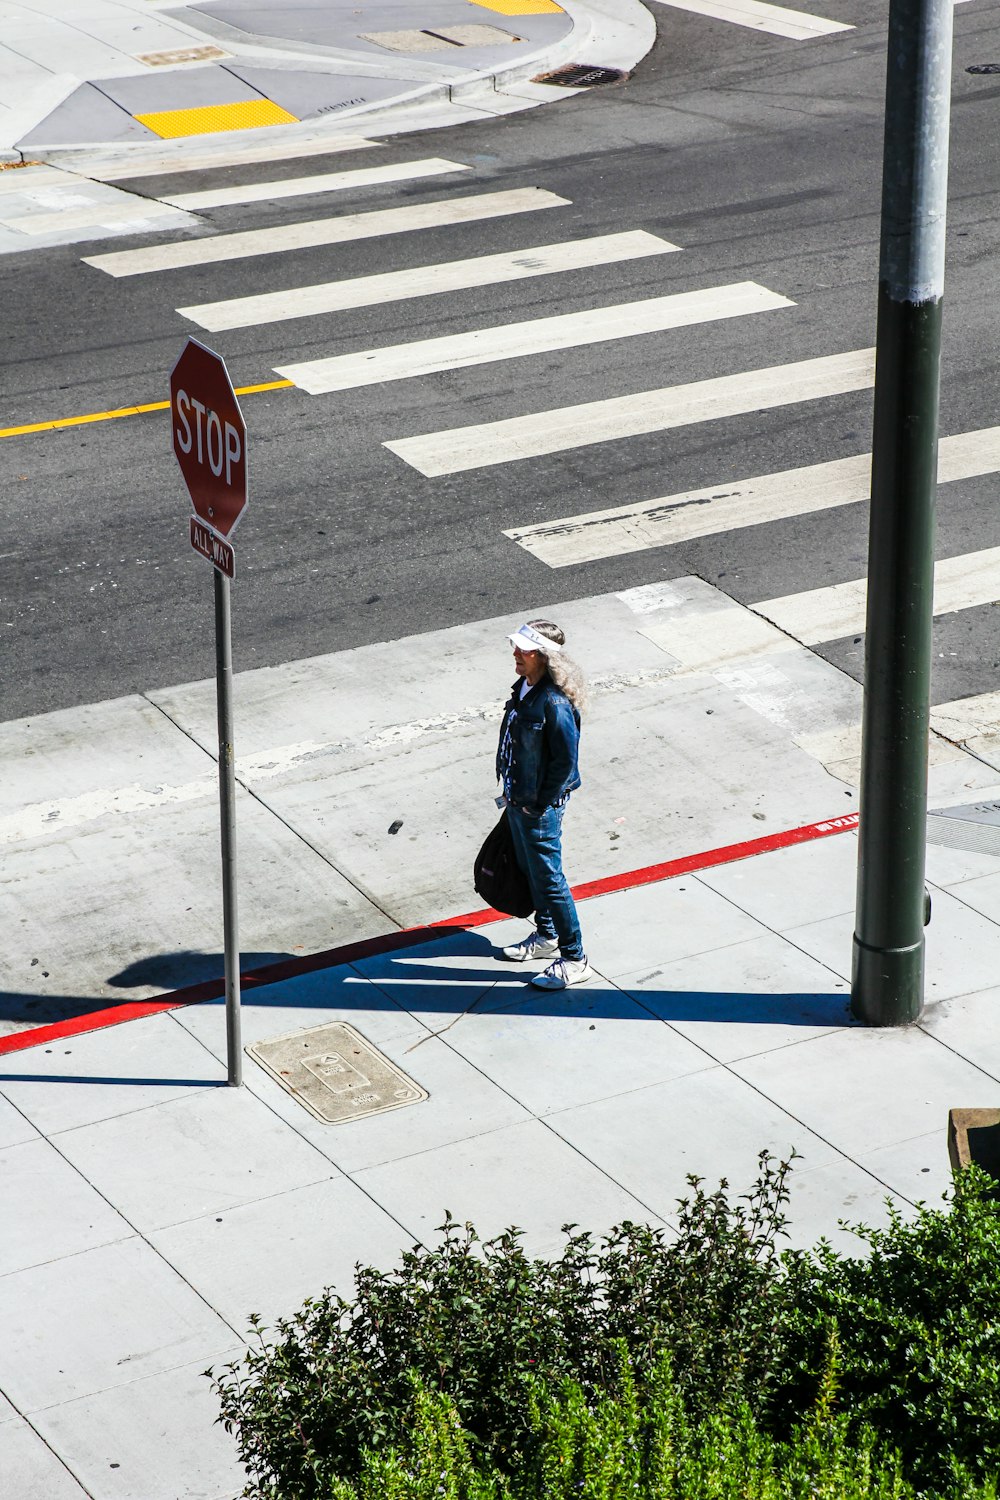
[
  {"x": 227, "y": 810},
  {"x": 209, "y": 438}
]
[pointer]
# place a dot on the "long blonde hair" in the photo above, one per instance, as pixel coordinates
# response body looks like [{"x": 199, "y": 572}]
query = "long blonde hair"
[{"x": 564, "y": 671}]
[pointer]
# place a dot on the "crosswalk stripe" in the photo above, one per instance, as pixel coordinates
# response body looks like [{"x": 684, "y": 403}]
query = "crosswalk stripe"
[
  {"x": 828, "y": 614},
  {"x": 728, "y": 506},
  {"x": 425, "y": 281},
  {"x": 776, "y": 19},
  {"x": 462, "y": 448},
  {"x": 326, "y": 182},
  {"x": 187, "y": 156},
  {"x": 332, "y": 231},
  {"x": 537, "y": 336}
]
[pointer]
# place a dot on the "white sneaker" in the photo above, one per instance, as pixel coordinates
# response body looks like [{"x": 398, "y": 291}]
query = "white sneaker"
[
  {"x": 533, "y": 946},
  {"x": 562, "y": 973}
]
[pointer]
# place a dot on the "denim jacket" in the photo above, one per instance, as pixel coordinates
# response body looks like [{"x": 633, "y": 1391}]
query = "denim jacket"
[{"x": 537, "y": 751}]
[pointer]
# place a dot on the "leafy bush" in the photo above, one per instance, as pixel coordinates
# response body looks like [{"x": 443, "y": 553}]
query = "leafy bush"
[
  {"x": 624, "y": 1445},
  {"x": 918, "y": 1324},
  {"x": 476, "y": 1320},
  {"x": 901, "y": 1342}
]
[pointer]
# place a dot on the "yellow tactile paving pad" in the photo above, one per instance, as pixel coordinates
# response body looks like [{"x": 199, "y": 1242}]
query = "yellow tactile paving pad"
[
  {"x": 520, "y": 7},
  {"x": 248, "y": 114}
]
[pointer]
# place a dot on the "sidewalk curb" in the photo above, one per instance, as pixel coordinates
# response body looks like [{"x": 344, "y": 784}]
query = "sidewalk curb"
[
  {"x": 611, "y": 33},
  {"x": 410, "y": 937}
]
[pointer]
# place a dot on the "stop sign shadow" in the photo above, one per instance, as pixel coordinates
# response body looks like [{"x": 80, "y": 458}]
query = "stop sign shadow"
[{"x": 209, "y": 436}]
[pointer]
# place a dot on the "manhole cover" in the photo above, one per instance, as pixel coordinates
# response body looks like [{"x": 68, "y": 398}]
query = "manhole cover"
[
  {"x": 335, "y": 1073},
  {"x": 984, "y": 68},
  {"x": 579, "y": 76},
  {"x": 974, "y": 827}
]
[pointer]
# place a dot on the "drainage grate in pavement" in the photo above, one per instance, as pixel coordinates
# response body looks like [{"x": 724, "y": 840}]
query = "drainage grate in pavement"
[
  {"x": 974, "y": 827},
  {"x": 579, "y": 76},
  {"x": 335, "y": 1073},
  {"x": 984, "y": 68}
]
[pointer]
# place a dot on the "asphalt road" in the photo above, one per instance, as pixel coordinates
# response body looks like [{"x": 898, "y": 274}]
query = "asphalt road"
[{"x": 759, "y": 157}]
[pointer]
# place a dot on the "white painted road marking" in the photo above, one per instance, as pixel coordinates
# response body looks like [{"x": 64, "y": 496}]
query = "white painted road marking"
[
  {"x": 738, "y": 503},
  {"x": 831, "y": 613},
  {"x": 776, "y": 19},
  {"x": 425, "y": 281},
  {"x": 537, "y": 336},
  {"x": 463, "y": 448},
  {"x": 333, "y": 231},
  {"x": 326, "y": 182}
]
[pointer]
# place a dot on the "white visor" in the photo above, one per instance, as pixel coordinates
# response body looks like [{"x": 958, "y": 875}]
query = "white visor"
[{"x": 527, "y": 638}]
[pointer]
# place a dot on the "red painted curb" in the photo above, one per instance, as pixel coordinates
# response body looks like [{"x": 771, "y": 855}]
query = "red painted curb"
[{"x": 409, "y": 937}]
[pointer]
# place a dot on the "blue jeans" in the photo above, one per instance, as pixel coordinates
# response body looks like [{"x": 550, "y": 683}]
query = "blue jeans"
[{"x": 538, "y": 846}]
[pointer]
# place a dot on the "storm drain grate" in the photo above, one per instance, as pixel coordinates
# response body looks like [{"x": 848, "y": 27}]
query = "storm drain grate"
[
  {"x": 974, "y": 827},
  {"x": 335, "y": 1073},
  {"x": 984, "y": 68},
  {"x": 579, "y": 76}
]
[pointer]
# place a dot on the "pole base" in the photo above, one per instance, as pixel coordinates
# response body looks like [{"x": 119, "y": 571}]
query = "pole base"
[{"x": 887, "y": 984}]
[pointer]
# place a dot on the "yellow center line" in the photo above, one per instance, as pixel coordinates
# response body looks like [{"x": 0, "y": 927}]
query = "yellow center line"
[{"x": 129, "y": 411}]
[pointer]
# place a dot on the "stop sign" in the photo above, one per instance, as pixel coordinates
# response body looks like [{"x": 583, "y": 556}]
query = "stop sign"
[{"x": 209, "y": 436}]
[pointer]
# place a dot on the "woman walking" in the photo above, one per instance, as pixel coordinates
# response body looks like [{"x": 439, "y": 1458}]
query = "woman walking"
[{"x": 537, "y": 764}]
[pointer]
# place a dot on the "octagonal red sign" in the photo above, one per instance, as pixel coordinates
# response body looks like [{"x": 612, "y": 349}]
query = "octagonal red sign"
[{"x": 209, "y": 436}]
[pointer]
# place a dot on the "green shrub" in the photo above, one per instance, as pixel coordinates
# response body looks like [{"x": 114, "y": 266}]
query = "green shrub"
[
  {"x": 900, "y": 1342},
  {"x": 477, "y": 1320},
  {"x": 622, "y": 1445},
  {"x": 918, "y": 1325}
]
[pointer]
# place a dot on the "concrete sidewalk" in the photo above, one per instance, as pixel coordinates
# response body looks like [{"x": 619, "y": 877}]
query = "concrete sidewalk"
[
  {"x": 151, "y": 1209},
  {"x": 140, "y": 81}
]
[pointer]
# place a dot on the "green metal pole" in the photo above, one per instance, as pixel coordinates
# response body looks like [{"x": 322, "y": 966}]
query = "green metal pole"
[{"x": 888, "y": 969}]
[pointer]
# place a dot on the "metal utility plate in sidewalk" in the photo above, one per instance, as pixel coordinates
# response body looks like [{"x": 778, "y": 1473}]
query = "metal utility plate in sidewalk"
[
  {"x": 974, "y": 827},
  {"x": 335, "y": 1073}
]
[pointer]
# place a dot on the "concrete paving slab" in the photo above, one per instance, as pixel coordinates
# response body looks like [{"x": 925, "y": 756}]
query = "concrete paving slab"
[
  {"x": 312, "y": 95},
  {"x": 199, "y": 1155},
  {"x": 927, "y": 1079},
  {"x": 8, "y": 1413},
  {"x": 14, "y": 1128},
  {"x": 982, "y": 894},
  {"x": 918, "y": 1170},
  {"x": 268, "y": 1257},
  {"x": 555, "y": 1051},
  {"x": 87, "y": 117},
  {"x": 789, "y": 887},
  {"x": 485, "y": 1180},
  {"x": 960, "y": 947},
  {"x": 111, "y": 1313},
  {"x": 463, "y": 1106},
  {"x": 157, "y": 895},
  {"x": 744, "y": 999},
  {"x": 947, "y": 867},
  {"x": 177, "y": 88},
  {"x": 970, "y": 1026},
  {"x": 307, "y": 1000},
  {"x": 839, "y": 1190},
  {"x": 150, "y": 1439},
  {"x": 30, "y": 1470},
  {"x": 105, "y": 1074},
  {"x": 441, "y": 979},
  {"x": 50, "y": 1210},
  {"x": 663, "y": 922},
  {"x": 712, "y": 1124}
]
